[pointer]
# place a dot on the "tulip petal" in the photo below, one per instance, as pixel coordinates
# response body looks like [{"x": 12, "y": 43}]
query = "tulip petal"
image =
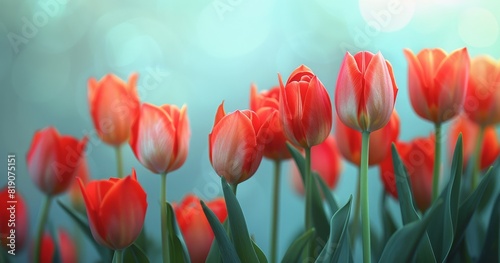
[
  {"x": 255, "y": 98},
  {"x": 183, "y": 133},
  {"x": 317, "y": 119},
  {"x": 348, "y": 91},
  {"x": 298, "y": 73},
  {"x": 41, "y": 156},
  {"x": 417, "y": 84}
]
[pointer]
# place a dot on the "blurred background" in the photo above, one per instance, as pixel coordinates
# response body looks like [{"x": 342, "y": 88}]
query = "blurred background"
[{"x": 200, "y": 53}]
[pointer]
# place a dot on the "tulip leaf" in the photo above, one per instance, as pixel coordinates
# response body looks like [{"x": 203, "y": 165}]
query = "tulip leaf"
[
  {"x": 227, "y": 252},
  {"x": 298, "y": 158},
  {"x": 337, "y": 247},
  {"x": 106, "y": 254},
  {"x": 177, "y": 248},
  {"x": 491, "y": 247},
  {"x": 401, "y": 247},
  {"x": 294, "y": 252},
  {"x": 260, "y": 254},
  {"x": 388, "y": 221},
  {"x": 134, "y": 254},
  {"x": 442, "y": 231},
  {"x": 332, "y": 203},
  {"x": 238, "y": 226}
]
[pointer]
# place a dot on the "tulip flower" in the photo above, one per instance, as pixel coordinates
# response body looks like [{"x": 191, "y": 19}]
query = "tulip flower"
[
  {"x": 75, "y": 194},
  {"x": 326, "y": 162},
  {"x": 17, "y": 240},
  {"x": 236, "y": 144},
  {"x": 437, "y": 83},
  {"x": 116, "y": 209},
  {"x": 418, "y": 158},
  {"x": 482, "y": 103},
  {"x": 66, "y": 249},
  {"x": 349, "y": 141},
  {"x": 305, "y": 108},
  {"x": 194, "y": 226}
]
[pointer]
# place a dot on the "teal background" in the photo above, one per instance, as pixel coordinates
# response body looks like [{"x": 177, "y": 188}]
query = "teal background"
[{"x": 200, "y": 53}]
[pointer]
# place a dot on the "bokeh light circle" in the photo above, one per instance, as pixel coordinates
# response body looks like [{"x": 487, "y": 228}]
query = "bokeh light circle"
[
  {"x": 478, "y": 27},
  {"x": 387, "y": 15}
]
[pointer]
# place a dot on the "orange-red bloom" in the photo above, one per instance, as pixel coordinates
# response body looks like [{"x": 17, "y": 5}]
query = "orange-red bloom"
[
  {"x": 236, "y": 144},
  {"x": 437, "y": 82},
  {"x": 265, "y": 104},
  {"x": 325, "y": 161},
  {"x": 194, "y": 226},
  {"x": 305, "y": 108},
  {"x": 470, "y": 130},
  {"x": 114, "y": 105},
  {"x": 160, "y": 137},
  {"x": 53, "y": 159},
  {"x": 116, "y": 209},
  {"x": 482, "y": 103},
  {"x": 66, "y": 249},
  {"x": 366, "y": 91},
  {"x": 75, "y": 194},
  {"x": 418, "y": 158},
  {"x": 17, "y": 239},
  {"x": 349, "y": 141}
]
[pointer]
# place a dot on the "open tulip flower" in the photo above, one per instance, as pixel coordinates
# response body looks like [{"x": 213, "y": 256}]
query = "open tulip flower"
[
  {"x": 236, "y": 144},
  {"x": 116, "y": 209},
  {"x": 194, "y": 225}
]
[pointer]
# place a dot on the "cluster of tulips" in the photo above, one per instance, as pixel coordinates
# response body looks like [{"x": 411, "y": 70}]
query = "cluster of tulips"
[{"x": 291, "y": 121}]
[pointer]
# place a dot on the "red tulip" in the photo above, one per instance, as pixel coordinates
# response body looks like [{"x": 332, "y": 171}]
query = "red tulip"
[
  {"x": 236, "y": 144},
  {"x": 194, "y": 226},
  {"x": 366, "y": 91},
  {"x": 66, "y": 249},
  {"x": 160, "y": 137},
  {"x": 482, "y": 103},
  {"x": 349, "y": 141},
  {"x": 265, "y": 104},
  {"x": 53, "y": 159},
  {"x": 305, "y": 108},
  {"x": 325, "y": 161},
  {"x": 14, "y": 218},
  {"x": 470, "y": 130},
  {"x": 75, "y": 194},
  {"x": 418, "y": 158},
  {"x": 116, "y": 209},
  {"x": 437, "y": 82},
  {"x": 114, "y": 105}
]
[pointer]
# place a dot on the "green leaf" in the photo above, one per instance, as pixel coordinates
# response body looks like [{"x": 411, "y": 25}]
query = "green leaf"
[
  {"x": 238, "y": 226},
  {"x": 491, "y": 247},
  {"x": 226, "y": 249},
  {"x": 332, "y": 203},
  {"x": 406, "y": 202},
  {"x": 177, "y": 248},
  {"x": 260, "y": 254},
  {"x": 294, "y": 252},
  {"x": 337, "y": 248},
  {"x": 401, "y": 247},
  {"x": 299, "y": 160},
  {"x": 106, "y": 254},
  {"x": 134, "y": 254},
  {"x": 388, "y": 221},
  {"x": 442, "y": 231}
]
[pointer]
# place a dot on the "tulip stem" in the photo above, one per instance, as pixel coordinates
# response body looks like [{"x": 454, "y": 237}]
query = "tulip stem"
[
  {"x": 437, "y": 162},
  {"x": 119, "y": 161},
  {"x": 234, "y": 187},
  {"x": 477, "y": 158},
  {"x": 355, "y": 220},
  {"x": 275, "y": 212},
  {"x": 118, "y": 257},
  {"x": 309, "y": 250},
  {"x": 363, "y": 182},
  {"x": 164, "y": 229},
  {"x": 41, "y": 226}
]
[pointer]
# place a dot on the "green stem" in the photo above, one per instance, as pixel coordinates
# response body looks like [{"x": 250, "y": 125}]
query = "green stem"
[
  {"x": 365, "y": 212},
  {"x": 234, "y": 187},
  {"x": 41, "y": 226},
  {"x": 118, "y": 257},
  {"x": 164, "y": 229},
  {"x": 119, "y": 161},
  {"x": 477, "y": 158},
  {"x": 355, "y": 219},
  {"x": 437, "y": 162},
  {"x": 275, "y": 212},
  {"x": 309, "y": 181}
]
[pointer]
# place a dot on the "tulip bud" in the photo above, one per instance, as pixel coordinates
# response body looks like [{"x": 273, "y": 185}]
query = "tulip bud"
[{"x": 66, "y": 249}]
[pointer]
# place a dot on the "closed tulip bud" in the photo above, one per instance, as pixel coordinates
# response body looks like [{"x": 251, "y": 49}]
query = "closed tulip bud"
[
  {"x": 482, "y": 103},
  {"x": 160, "y": 137},
  {"x": 366, "y": 91},
  {"x": 325, "y": 161},
  {"x": 20, "y": 213},
  {"x": 490, "y": 149},
  {"x": 236, "y": 144},
  {"x": 305, "y": 108},
  {"x": 67, "y": 249},
  {"x": 418, "y": 158},
  {"x": 53, "y": 159},
  {"x": 194, "y": 226},
  {"x": 437, "y": 82},
  {"x": 116, "y": 209},
  {"x": 265, "y": 104},
  {"x": 349, "y": 141},
  {"x": 114, "y": 105}
]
